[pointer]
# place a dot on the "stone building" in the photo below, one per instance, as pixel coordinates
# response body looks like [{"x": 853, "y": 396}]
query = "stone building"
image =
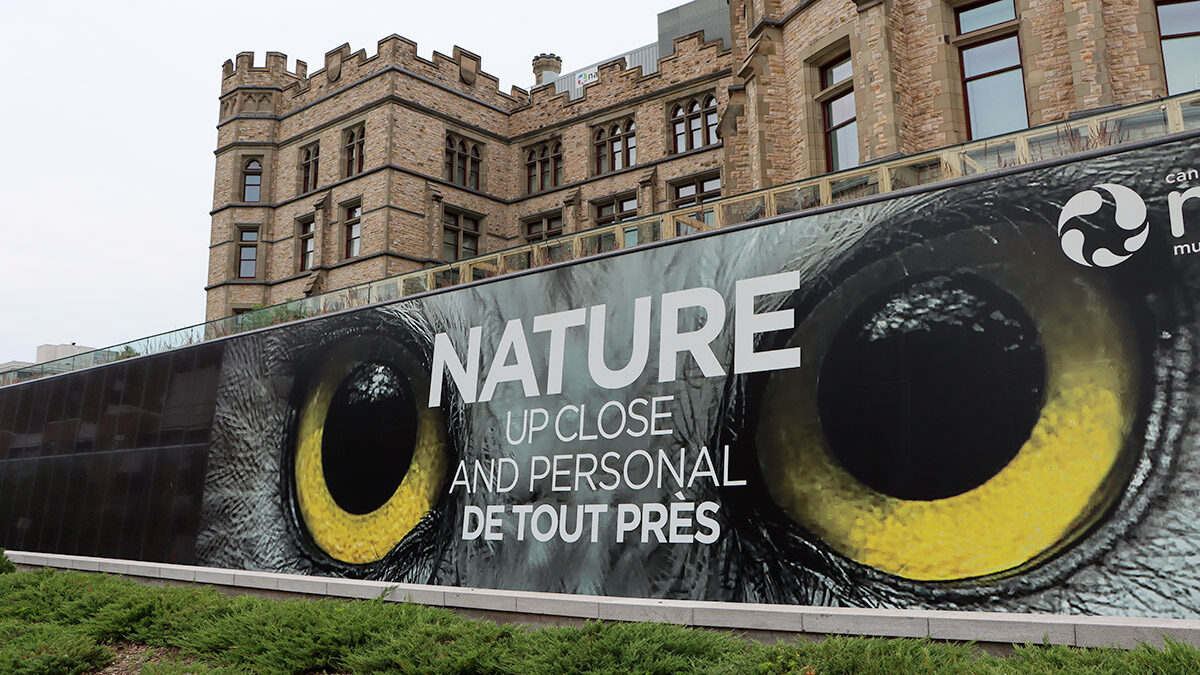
[{"x": 381, "y": 164}]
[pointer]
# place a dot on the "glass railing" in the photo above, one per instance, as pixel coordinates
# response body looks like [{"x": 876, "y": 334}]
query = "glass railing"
[{"x": 1049, "y": 141}]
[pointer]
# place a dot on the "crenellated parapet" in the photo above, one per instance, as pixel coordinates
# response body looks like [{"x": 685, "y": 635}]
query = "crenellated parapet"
[
  {"x": 243, "y": 84},
  {"x": 693, "y": 58}
]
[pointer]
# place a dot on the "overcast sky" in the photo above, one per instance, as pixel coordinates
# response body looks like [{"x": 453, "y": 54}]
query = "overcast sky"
[{"x": 109, "y": 124}]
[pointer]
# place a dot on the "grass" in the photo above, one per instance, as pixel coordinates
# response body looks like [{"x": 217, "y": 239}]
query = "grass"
[{"x": 70, "y": 622}]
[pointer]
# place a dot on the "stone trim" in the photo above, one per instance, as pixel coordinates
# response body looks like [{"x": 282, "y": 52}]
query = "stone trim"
[{"x": 780, "y": 620}]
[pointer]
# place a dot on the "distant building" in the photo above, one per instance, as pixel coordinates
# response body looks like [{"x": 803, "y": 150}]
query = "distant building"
[
  {"x": 378, "y": 165},
  {"x": 14, "y": 365},
  {"x": 15, "y": 371},
  {"x": 54, "y": 352}
]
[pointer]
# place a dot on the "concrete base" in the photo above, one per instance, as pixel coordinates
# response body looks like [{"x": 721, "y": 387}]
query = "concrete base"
[{"x": 769, "y": 623}]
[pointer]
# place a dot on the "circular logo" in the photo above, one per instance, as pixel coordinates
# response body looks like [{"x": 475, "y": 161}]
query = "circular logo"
[{"x": 1130, "y": 217}]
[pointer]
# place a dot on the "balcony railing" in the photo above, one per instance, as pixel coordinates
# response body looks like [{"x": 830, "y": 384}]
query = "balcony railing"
[{"x": 1110, "y": 128}]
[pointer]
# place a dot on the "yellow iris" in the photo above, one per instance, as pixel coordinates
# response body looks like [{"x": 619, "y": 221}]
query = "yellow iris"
[
  {"x": 363, "y": 538},
  {"x": 1063, "y": 478}
]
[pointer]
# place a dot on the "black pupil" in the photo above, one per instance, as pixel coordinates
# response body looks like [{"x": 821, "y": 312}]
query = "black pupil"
[
  {"x": 367, "y": 442},
  {"x": 930, "y": 388}
]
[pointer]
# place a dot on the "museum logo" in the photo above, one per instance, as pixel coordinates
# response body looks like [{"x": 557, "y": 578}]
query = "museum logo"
[
  {"x": 1094, "y": 242},
  {"x": 1130, "y": 217}
]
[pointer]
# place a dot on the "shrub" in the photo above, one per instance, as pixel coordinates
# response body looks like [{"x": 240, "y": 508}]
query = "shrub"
[{"x": 6, "y": 565}]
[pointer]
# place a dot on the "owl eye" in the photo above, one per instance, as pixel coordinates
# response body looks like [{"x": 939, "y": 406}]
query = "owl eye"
[
  {"x": 958, "y": 422},
  {"x": 368, "y": 460},
  {"x": 931, "y": 387}
]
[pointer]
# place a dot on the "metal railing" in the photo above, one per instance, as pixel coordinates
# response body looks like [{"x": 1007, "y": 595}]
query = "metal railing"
[{"x": 1110, "y": 128}]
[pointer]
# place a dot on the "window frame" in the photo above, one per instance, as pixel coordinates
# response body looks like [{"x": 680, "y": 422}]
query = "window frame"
[
  {"x": 247, "y": 244},
  {"x": 613, "y": 141},
  {"x": 1163, "y": 38},
  {"x": 542, "y": 221},
  {"x": 543, "y": 166},
  {"x": 461, "y": 232},
  {"x": 306, "y": 243},
  {"x": 831, "y": 93},
  {"x": 463, "y": 163},
  {"x": 247, "y": 174},
  {"x": 351, "y": 230},
  {"x": 691, "y": 116},
  {"x": 354, "y": 147},
  {"x": 310, "y": 167},
  {"x": 700, "y": 196},
  {"x": 616, "y": 202},
  {"x": 979, "y": 37}
]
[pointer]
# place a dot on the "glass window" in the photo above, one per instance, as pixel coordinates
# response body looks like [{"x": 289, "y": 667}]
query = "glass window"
[
  {"x": 307, "y": 245},
  {"x": 252, "y": 181},
  {"x": 694, "y": 124},
  {"x": 615, "y": 147},
  {"x": 995, "y": 87},
  {"x": 616, "y": 209},
  {"x": 987, "y": 14},
  {"x": 353, "y": 230},
  {"x": 546, "y": 226},
  {"x": 841, "y": 123},
  {"x": 356, "y": 139},
  {"x": 464, "y": 160},
  {"x": 696, "y": 190},
  {"x": 460, "y": 235},
  {"x": 837, "y": 72},
  {"x": 248, "y": 254},
  {"x": 544, "y": 167},
  {"x": 1179, "y": 26},
  {"x": 309, "y": 167}
]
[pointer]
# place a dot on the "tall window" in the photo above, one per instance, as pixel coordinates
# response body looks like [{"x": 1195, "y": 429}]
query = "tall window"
[
  {"x": 310, "y": 156},
  {"x": 840, "y": 119},
  {"x": 460, "y": 235},
  {"x": 306, "y": 230},
  {"x": 543, "y": 166},
  {"x": 463, "y": 161},
  {"x": 353, "y": 228},
  {"x": 615, "y": 147},
  {"x": 616, "y": 209},
  {"x": 543, "y": 227},
  {"x": 354, "y": 149},
  {"x": 1179, "y": 27},
  {"x": 247, "y": 254},
  {"x": 252, "y": 181},
  {"x": 694, "y": 124},
  {"x": 993, "y": 82}
]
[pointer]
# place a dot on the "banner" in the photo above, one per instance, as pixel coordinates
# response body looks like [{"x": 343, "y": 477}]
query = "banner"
[{"x": 976, "y": 397}]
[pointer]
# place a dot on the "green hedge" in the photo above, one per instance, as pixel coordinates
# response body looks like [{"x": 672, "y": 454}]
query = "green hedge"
[{"x": 71, "y": 622}]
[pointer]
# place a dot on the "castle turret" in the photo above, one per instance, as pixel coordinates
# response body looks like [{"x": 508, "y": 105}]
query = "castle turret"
[{"x": 546, "y": 67}]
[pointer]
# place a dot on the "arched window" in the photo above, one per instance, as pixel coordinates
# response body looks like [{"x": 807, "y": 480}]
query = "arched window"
[
  {"x": 310, "y": 157},
  {"x": 252, "y": 181},
  {"x": 356, "y": 139},
  {"x": 694, "y": 124},
  {"x": 544, "y": 166},
  {"x": 464, "y": 161},
  {"x": 556, "y": 164},
  {"x": 473, "y": 171},
  {"x": 602, "y": 160},
  {"x": 460, "y": 167},
  {"x": 531, "y": 171},
  {"x": 615, "y": 147}
]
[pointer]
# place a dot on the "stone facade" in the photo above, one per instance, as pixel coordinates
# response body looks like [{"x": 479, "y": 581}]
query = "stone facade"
[{"x": 908, "y": 95}]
